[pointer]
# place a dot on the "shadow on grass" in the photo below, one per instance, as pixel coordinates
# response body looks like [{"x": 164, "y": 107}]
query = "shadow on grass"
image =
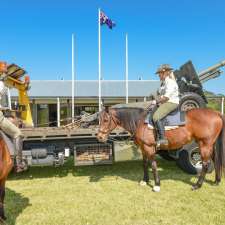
[
  {"x": 134, "y": 171},
  {"x": 131, "y": 170},
  {"x": 15, "y": 203}
]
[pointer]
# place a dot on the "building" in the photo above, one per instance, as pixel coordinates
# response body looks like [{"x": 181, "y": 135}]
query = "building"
[{"x": 51, "y": 99}]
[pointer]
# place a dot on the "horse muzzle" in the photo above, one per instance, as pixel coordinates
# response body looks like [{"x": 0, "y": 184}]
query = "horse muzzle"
[{"x": 102, "y": 137}]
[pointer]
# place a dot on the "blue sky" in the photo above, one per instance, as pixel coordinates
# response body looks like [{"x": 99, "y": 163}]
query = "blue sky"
[{"x": 37, "y": 35}]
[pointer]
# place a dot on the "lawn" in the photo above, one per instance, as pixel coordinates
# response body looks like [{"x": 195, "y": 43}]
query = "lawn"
[{"x": 111, "y": 195}]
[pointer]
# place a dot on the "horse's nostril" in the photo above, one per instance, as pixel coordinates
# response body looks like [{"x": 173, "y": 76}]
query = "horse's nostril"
[{"x": 99, "y": 137}]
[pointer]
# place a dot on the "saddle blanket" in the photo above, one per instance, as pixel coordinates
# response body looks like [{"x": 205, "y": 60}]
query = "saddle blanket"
[
  {"x": 166, "y": 127},
  {"x": 172, "y": 121}
]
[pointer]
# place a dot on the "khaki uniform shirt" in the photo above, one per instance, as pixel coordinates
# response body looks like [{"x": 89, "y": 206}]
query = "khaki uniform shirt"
[{"x": 169, "y": 89}]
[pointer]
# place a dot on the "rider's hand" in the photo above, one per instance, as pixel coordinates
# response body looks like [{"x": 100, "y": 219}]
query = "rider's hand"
[{"x": 154, "y": 102}]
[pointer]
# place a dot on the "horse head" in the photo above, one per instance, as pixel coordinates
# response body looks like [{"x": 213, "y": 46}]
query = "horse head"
[{"x": 107, "y": 123}]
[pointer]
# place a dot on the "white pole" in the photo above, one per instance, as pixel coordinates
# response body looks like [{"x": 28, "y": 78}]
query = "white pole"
[
  {"x": 99, "y": 61},
  {"x": 126, "y": 68},
  {"x": 58, "y": 112},
  {"x": 9, "y": 99},
  {"x": 73, "y": 75},
  {"x": 222, "y": 106}
]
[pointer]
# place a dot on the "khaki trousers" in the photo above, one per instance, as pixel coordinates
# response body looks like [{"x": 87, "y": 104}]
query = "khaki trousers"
[
  {"x": 8, "y": 127},
  {"x": 164, "y": 110}
]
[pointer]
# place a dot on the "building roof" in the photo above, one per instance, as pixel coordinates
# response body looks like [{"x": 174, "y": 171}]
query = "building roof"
[{"x": 89, "y": 88}]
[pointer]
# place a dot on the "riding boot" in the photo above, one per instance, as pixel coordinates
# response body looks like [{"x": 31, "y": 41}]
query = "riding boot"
[
  {"x": 148, "y": 118},
  {"x": 161, "y": 139},
  {"x": 20, "y": 163}
]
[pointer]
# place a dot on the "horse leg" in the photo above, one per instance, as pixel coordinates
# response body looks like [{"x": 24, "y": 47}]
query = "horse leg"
[
  {"x": 2, "y": 196},
  {"x": 150, "y": 151},
  {"x": 217, "y": 170},
  {"x": 217, "y": 177},
  {"x": 156, "y": 187},
  {"x": 201, "y": 178},
  {"x": 5, "y": 166},
  {"x": 206, "y": 152},
  {"x": 145, "y": 168}
]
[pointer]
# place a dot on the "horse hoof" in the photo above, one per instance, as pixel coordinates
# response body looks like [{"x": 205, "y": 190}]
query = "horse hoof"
[
  {"x": 2, "y": 219},
  {"x": 156, "y": 189},
  {"x": 195, "y": 187},
  {"x": 216, "y": 183},
  {"x": 143, "y": 183}
]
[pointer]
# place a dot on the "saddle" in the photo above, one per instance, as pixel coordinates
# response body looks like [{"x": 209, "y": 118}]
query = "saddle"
[{"x": 172, "y": 121}]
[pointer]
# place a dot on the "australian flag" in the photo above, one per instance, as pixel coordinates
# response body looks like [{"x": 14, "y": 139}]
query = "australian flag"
[{"x": 105, "y": 20}]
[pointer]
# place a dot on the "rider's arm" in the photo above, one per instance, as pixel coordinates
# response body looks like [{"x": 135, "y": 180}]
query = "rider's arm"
[
  {"x": 170, "y": 90},
  {"x": 162, "y": 99}
]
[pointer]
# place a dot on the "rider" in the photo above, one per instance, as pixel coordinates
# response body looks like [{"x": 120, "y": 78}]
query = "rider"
[
  {"x": 167, "y": 100},
  {"x": 10, "y": 129}
]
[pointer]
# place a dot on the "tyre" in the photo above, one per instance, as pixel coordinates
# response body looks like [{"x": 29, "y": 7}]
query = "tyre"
[
  {"x": 189, "y": 160},
  {"x": 190, "y": 100}
]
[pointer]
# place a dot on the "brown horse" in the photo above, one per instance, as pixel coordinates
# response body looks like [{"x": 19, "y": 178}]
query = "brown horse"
[
  {"x": 6, "y": 165},
  {"x": 205, "y": 126}
]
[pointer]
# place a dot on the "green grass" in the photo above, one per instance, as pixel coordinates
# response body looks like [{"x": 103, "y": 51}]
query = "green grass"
[{"x": 110, "y": 195}]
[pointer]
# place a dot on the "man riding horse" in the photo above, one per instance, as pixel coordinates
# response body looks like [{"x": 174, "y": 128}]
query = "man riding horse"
[
  {"x": 10, "y": 129},
  {"x": 167, "y": 100}
]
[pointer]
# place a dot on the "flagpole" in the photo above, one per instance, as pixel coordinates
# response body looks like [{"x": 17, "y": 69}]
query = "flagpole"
[
  {"x": 99, "y": 61},
  {"x": 126, "y": 68},
  {"x": 73, "y": 75}
]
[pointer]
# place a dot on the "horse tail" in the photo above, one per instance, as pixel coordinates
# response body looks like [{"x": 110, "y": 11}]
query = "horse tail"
[
  {"x": 219, "y": 157},
  {"x": 1, "y": 161}
]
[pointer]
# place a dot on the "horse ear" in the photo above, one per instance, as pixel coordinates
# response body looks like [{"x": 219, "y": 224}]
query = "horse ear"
[{"x": 107, "y": 109}]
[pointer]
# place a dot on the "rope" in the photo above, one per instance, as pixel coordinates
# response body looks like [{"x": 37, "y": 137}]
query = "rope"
[{"x": 76, "y": 124}]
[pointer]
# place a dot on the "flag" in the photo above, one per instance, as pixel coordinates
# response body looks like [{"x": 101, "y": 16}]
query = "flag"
[{"x": 105, "y": 20}]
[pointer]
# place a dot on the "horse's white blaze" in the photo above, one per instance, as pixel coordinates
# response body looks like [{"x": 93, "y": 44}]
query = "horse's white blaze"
[
  {"x": 156, "y": 188},
  {"x": 143, "y": 183}
]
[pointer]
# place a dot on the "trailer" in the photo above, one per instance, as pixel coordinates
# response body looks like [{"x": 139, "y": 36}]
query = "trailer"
[{"x": 54, "y": 145}]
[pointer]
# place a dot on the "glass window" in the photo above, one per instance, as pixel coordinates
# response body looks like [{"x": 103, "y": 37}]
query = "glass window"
[{"x": 42, "y": 115}]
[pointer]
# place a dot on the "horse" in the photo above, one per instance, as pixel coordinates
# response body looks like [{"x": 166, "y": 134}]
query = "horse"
[
  {"x": 6, "y": 166},
  {"x": 205, "y": 126}
]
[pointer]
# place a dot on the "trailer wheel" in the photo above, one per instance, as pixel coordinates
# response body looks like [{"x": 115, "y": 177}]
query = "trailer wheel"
[
  {"x": 190, "y": 161},
  {"x": 190, "y": 100}
]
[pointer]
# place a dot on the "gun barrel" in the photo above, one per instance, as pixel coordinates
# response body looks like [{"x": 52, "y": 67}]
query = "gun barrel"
[
  {"x": 209, "y": 76},
  {"x": 212, "y": 68}
]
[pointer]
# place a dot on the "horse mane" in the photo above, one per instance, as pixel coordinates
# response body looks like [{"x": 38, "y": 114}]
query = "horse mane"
[{"x": 130, "y": 118}]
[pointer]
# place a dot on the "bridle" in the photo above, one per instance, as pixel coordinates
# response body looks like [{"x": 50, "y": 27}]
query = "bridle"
[{"x": 107, "y": 130}]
